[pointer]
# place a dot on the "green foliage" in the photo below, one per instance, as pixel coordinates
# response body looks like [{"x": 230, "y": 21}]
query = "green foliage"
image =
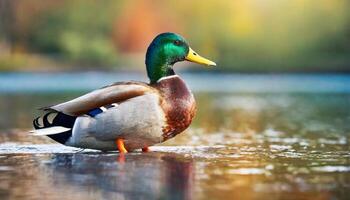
[
  {"x": 272, "y": 35},
  {"x": 245, "y": 36},
  {"x": 8, "y": 63},
  {"x": 78, "y": 32}
]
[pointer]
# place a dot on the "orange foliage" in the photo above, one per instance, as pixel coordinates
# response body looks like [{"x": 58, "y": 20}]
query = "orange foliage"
[{"x": 139, "y": 22}]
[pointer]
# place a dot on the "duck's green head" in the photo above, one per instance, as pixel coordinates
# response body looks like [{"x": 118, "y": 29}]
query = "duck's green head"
[{"x": 167, "y": 49}]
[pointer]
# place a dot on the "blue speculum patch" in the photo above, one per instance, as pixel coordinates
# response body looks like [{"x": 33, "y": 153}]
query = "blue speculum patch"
[
  {"x": 100, "y": 110},
  {"x": 95, "y": 112}
]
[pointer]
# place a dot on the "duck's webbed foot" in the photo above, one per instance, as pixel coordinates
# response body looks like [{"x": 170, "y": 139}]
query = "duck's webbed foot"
[
  {"x": 145, "y": 149},
  {"x": 120, "y": 145}
]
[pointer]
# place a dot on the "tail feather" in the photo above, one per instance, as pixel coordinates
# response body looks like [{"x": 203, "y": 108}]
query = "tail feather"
[
  {"x": 56, "y": 125},
  {"x": 50, "y": 130}
]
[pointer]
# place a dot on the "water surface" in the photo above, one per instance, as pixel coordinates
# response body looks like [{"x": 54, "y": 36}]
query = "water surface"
[{"x": 254, "y": 137}]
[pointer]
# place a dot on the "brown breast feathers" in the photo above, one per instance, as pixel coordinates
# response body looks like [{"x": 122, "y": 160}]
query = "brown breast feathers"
[{"x": 178, "y": 104}]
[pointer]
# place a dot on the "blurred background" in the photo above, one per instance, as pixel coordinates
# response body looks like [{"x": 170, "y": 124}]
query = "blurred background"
[{"x": 242, "y": 36}]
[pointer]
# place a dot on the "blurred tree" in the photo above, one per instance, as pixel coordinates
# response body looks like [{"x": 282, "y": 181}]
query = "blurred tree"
[
  {"x": 139, "y": 22},
  {"x": 247, "y": 36},
  {"x": 270, "y": 35},
  {"x": 6, "y": 17},
  {"x": 77, "y": 30}
]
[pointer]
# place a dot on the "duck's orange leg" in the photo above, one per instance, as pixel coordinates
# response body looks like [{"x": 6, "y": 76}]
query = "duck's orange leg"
[
  {"x": 145, "y": 149},
  {"x": 120, "y": 145}
]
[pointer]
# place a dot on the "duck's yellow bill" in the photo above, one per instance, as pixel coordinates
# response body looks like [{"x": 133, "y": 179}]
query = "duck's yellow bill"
[{"x": 194, "y": 57}]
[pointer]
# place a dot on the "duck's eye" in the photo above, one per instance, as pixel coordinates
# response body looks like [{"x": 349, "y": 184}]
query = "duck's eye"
[{"x": 177, "y": 42}]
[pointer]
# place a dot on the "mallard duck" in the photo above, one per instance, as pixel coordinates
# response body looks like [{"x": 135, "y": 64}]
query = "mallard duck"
[{"x": 131, "y": 115}]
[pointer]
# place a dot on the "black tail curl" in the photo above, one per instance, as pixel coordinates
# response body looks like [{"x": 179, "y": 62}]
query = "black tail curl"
[{"x": 55, "y": 118}]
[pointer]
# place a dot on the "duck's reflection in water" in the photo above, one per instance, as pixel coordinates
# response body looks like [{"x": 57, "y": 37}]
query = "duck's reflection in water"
[{"x": 140, "y": 176}]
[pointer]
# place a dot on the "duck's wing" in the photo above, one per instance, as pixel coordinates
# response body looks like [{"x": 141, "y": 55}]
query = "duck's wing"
[{"x": 114, "y": 93}]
